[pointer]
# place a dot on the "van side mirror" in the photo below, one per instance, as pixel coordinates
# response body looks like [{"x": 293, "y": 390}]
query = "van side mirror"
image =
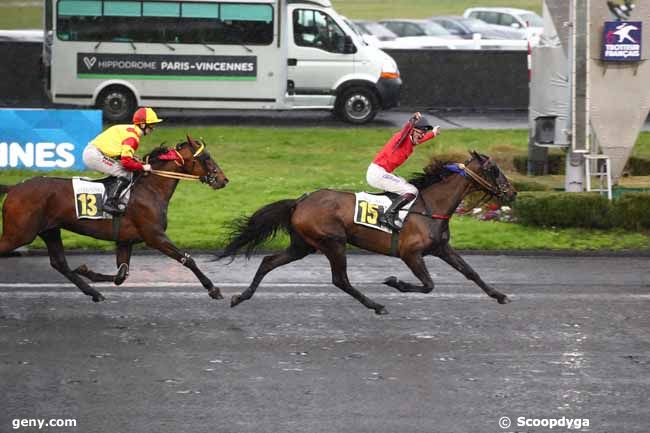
[{"x": 348, "y": 45}]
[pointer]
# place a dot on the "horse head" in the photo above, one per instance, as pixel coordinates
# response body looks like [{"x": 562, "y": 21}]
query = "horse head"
[
  {"x": 491, "y": 178},
  {"x": 197, "y": 161}
]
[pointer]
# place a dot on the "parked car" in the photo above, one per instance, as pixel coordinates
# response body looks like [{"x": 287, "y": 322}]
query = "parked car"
[
  {"x": 369, "y": 39},
  {"x": 470, "y": 28},
  {"x": 424, "y": 34},
  {"x": 521, "y": 19},
  {"x": 407, "y": 28},
  {"x": 375, "y": 29}
]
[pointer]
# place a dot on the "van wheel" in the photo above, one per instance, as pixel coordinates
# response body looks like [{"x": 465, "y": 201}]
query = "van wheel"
[
  {"x": 357, "y": 105},
  {"x": 117, "y": 104}
]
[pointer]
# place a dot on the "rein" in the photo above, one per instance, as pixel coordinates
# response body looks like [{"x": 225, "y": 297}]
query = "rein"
[
  {"x": 463, "y": 170},
  {"x": 173, "y": 174}
]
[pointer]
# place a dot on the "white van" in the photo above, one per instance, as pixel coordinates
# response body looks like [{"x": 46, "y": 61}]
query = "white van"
[{"x": 204, "y": 54}]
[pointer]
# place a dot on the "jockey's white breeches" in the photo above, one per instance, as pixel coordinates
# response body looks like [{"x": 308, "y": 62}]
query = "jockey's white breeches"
[
  {"x": 379, "y": 178},
  {"x": 96, "y": 160}
]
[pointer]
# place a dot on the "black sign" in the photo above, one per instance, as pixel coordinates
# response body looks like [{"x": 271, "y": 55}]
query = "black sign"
[{"x": 170, "y": 67}]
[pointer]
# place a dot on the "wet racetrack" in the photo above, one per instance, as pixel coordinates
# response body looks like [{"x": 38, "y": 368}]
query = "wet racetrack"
[{"x": 160, "y": 356}]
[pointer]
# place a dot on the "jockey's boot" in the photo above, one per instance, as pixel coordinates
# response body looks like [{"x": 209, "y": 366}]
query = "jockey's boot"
[
  {"x": 112, "y": 204},
  {"x": 388, "y": 217}
]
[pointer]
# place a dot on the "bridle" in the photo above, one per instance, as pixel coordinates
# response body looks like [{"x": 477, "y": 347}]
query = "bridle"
[
  {"x": 201, "y": 155},
  {"x": 492, "y": 188}
]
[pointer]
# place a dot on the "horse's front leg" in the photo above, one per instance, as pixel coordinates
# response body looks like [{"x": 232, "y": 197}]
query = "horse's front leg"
[
  {"x": 450, "y": 256},
  {"x": 123, "y": 255},
  {"x": 158, "y": 239},
  {"x": 415, "y": 262}
]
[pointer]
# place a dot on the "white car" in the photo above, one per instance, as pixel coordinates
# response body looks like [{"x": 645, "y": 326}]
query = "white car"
[
  {"x": 415, "y": 34},
  {"x": 522, "y": 19}
]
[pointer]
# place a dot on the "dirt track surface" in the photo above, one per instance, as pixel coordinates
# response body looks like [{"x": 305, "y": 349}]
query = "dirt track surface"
[{"x": 160, "y": 356}]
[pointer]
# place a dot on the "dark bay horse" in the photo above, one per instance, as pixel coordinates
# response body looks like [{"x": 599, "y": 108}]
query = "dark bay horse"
[
  {"x": 42, "y": 206},
  {"x": 323, "y": 221}
]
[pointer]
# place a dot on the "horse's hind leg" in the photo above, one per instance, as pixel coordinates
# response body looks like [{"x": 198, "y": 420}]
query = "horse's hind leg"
[
  {"x": 415, "y": 262},
  {"x": 296, "y": 251},
  {"x": 17, "y": 231},
  {"x": 52, "y": 239},
  {"x": 335, "y": 252},
  {"x": 450, "y": 256},
  {"x": 123, "y": 259}
]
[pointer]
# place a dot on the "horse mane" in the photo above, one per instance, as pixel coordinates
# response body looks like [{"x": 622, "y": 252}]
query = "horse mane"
[
  {"x": 154, "y": 154},
  {"x": 433, "y": 173}
]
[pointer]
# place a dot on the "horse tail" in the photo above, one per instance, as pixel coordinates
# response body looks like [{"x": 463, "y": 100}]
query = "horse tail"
[
  {"x": 248, "y": 233},
  {"x": 4, "y": 189}
]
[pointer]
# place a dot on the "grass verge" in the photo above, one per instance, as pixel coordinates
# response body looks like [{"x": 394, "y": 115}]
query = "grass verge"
[{"x": 269, "y": 164}]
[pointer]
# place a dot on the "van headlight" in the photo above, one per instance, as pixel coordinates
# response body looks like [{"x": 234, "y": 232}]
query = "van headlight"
[{"x": 389, "y": 69}]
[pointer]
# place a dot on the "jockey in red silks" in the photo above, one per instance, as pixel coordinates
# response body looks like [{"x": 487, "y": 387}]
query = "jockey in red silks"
[
  {"x": 394, "y": 153},
  {"x": 113, "y": 152}
]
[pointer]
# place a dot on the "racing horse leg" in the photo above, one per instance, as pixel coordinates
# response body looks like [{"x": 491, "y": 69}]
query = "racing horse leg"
[
  {"x": 334, "y": 249},
  {"x": 156, "y": 238},
  {"x": 52, "y": 239},
  {"x": 449, "y": 255},
  {"x": 123, "y": 255},
  {"x": 415, "y": 262},
  {"x": 297, "y": 250}
]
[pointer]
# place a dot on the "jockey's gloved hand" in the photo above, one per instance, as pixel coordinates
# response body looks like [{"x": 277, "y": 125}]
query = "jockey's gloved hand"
[
  {"x": 436, "y": 130},
  {"x": 146, "y": 167}
]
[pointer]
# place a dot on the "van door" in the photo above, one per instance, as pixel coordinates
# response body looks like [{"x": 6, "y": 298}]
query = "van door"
[{"x": 318, "y": 58}]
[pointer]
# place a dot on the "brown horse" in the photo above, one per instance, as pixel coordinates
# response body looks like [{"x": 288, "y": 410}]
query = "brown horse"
[
  {"x": 323, "y": 221},
  {"x": 42, "y": 206}
]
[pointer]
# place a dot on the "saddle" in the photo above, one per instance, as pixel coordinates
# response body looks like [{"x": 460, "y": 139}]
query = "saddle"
[
  {"x": 369, "y": 206},
  {"x": 90, "y": 194}
]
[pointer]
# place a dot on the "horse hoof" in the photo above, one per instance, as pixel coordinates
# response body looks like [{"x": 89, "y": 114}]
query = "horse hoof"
[
  {"x": 98, "y": 298},
  {"x": 391, "y": 281},
  {"x": 215, "y": 293},
  {"x": 503, "y": 299},
  {"x": 381, "y": 310},
  {"x": 81, "y": 269},
  {"x": 235, "y": 300}
]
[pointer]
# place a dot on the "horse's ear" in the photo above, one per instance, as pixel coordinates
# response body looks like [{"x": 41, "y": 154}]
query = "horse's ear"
[{"x": 189, "y": 139}]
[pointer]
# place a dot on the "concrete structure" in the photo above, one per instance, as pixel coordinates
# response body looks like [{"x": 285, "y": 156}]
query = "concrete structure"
[{"x": 612, "y": 98}]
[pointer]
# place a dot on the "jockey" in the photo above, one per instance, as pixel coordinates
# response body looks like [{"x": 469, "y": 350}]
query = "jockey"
[
  {"x": 113, "y": 152},
  {"x": 380, "y": 172}
]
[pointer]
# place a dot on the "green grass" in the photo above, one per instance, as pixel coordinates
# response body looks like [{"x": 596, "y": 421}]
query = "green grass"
[
  {"x": 26, "y": 17},
  {"x": 31, "y": 17},
  {"x": 268, "y": 164}
]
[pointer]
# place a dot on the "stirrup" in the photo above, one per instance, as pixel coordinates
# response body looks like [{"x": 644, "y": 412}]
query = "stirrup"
[
  {"x": 389, "y": 221},
  {"x": 114, "y": 209}
]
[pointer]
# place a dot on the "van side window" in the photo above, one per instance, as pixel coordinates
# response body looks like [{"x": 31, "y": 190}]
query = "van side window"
[
  {"x": 316, "y": 29},
  {"x": 165, "y": 22}
]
